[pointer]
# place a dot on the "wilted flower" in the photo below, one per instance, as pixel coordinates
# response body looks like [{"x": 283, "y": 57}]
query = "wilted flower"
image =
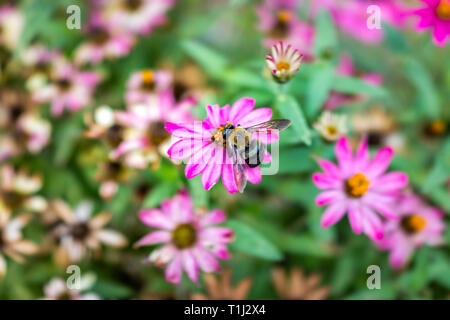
[
  {"x": 12, "y": 21},
  {"x": 11, "y": 242},
  {"x": 283, "y": 62},
  {"x": 331, "y": 126},
  {"x": 143, "y": 84},
  {"x": 57, "y": 289},
  {"x": 105, "y": 42},
  {"x": 17, "y": 189},
  {"x": 346, "y": 68},
  {"x": 76, "y": 232},
  {"x": 110, "y": 173},
  {"x": 38, "y": 59},
  {"x": 191, "y": 241},
  {"x": 435, "y": 15},
  {"x": 279, "y": 20},
  {"x": 137, "y": 16},
  {"x": 68, "y": 88},
  {"x": 149, "y": 138},
  {"x": 297, "y": 286},
  {"x": 203, "y": 143},
  {"x": 359, "y": 187},
  {"x": 223, "y": 289},
  {"x": 419, "y": 224}
]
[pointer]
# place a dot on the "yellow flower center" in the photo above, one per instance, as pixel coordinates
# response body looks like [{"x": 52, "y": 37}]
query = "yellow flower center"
[
  {"x": 220, "y": 136},
  {"x": 12, "y": 199},
  {"x": 147, "y": 76},
  {"x": 413, "y": 223},
  {"x": 357, "y": 185},
  {"x": 184, "y": 236},
  {"x": 332, "y": 130},
  {"x": 283, "y": 65},
  {"x": 438, "y": 127},
  {"x": 443, "y": 9},
  {"x": 284, "y": 16}
]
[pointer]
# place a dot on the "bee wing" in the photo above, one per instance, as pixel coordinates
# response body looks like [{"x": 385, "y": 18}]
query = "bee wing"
[
  {"x": 239, "y": 171},
  {"x": 277, "y": 124}
]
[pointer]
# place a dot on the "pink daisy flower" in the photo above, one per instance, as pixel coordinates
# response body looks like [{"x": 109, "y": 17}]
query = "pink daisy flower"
[
  {"x": 358, "y": 186},
  {"x": 68, "y": 89},
  {"x": 142, "y": 85},
  {"x": 191, "y": 239},
  {"x": 137, "y": 16},
  {"x": 203, "y": 145},
  {"x": 105, "y": 42},
  {"x": 347, "y": 68},
  {"x": 435, "y": 15},
  {"x": 148, "y": 138},
  {"x": 419, "y": 224},
  {"x": 278, "y": 20}
]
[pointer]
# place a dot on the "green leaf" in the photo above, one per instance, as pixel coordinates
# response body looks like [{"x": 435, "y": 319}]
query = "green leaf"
[
  {"x": 350, "y": 85},
  {"x": 251, "y": 242},
  {"x": 428, "y": 98},
  {"x": 212, "y": 61},
  {"x": 244, "y": 78},
  {"x": 111, "y": 290},
  {"x": 159, "y": 193},
  {"x": 303, "y": 245},
  {"x": 198, "y": 193},
  {"x": 318, "y": 89},
  {"x": 291, "y": 110},
  {"x": 325, "y": 34},
  {"x": 289, "y": 160},
  {"x": 419, "y": 276}
]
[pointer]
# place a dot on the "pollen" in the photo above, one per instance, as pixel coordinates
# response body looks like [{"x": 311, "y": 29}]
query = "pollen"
[
  {"x": 332, "y": 130},
  {"x": 413, "y": 223},
  {"x": 283, "y": 65},
  {"x": 184, "y": 236},
  {"x": 147, "y": 76},
  {"x": 284, "y": 16},
  {"x": 443, "y": 9},
  {"x": 357, "y": 185}
]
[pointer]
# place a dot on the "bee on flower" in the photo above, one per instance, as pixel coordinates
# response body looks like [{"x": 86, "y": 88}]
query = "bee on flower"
[
  {"x": 284, "y": 61},
  {"x": 418, "y": 224},
  {"x": 331, "y": 126},
  {"x": 191, "y": 240},
  {"x": 67, "y": 89},
  {"x": 137, "y": 16},
  {"x": 359, "y": 187},
  {"x": 12, "y": 243},
  {"x": 105, "y": 42},
  {"x": 17, "y": 190},
  {"x": 77, "y": 234},
  {"x": 143, "y": 85},
  {"x": 149, "y": 138}
]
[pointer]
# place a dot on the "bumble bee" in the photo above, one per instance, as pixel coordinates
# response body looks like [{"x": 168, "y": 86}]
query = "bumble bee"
[{"x": 245, "y": 151}]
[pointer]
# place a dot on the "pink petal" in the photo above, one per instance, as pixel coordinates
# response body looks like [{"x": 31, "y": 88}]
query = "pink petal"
[
  {"x": 344, "y": 155},
  {"x": 213, "y": 217},
  {"x": 329, "y": 168},
  {"x": 205, "y": 260},
  {"x": 324, "y": 181},
  {"x": 228, "y": 179},
  {"x": 392, "y": 181},
  {"x": 355, "y": 217},
  {"x": 199, "y": 160},
  {"x": 362, "y": 155},
  {"x": 255, "y": 117},
  {"x": 382, "y": 204},
  {"x": 216, "y": 235},
  {"x": 372, "y": 224},
  {"x": 182, "y": 149},
  {"x": 212, "y": 172},
  {"x": 155, "y": 218},
  {"x": 380, "y": 162},
  {"x": 189, "y": 265},
  {"x": 213, "y": 113},
  {"x": 188, "y": 130},
  {"x": 179, "y": 208},
  {"x": 333, "y": 214},
  {"x": 130, "y": 119},
  {"x": 173, "y": 270},
  {"x": 254, "y": 175},
  {"x": 129, "y": 145},
  {"x": 328, "y": 197},
  {"x": 240, "y": 109},
  {"x": 400, "y": 254},
  {"x": 154, "y": 237}
]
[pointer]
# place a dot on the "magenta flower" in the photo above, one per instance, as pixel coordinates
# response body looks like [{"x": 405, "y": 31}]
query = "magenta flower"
[
  {"x": 105, "y": 42},
  {"x": 346, "y": 68},
  {"x": 68, "y": 89},
  {"x": 358, "y": 186},
  {"x": 202, "y": 143},
  {"x": 419, "y": 224},
  {"x": 137, "y": 16},
  {"x": 147, "y": 137},
  {"x": 278, "y": 20},
  {"x": 191, "y": 239},
  {"x": 142, "y": 85},
  {"x": 435, "y": 15}
]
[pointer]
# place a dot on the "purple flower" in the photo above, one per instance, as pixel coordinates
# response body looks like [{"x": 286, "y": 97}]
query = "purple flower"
[
  {"x": 191, "y": 239},
  {"x": 358, "y": 186},
  {"x": 436, "y": 15}
]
